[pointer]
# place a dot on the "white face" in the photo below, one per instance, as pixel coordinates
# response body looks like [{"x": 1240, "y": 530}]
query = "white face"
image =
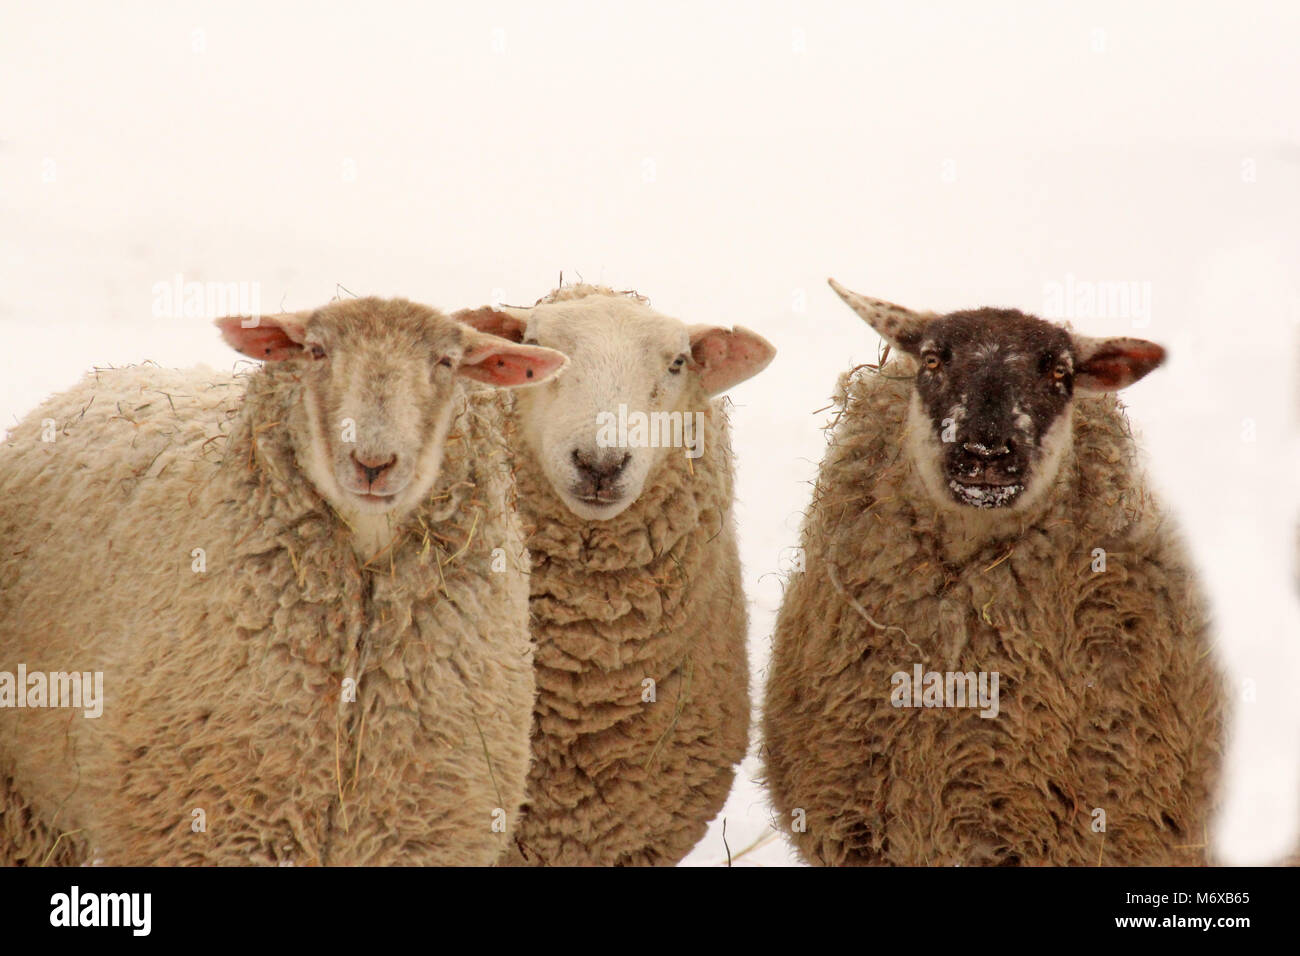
[
  {"x": 381, "y": 382},
  {"x": 377, "y": 425},
  {"x": 620, "y": 353}
]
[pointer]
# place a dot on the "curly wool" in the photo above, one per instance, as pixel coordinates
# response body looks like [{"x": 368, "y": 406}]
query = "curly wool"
[
  {"x": 581, "y": 290},
  {"x": 225, "y": 687},
  {"x": 654, "y": 592},
  {"x": 1109, "y": 698}
]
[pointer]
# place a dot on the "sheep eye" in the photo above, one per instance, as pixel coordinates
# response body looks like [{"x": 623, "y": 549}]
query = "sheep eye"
[
  {"x": 932, "y": 361},
  {"x": 678, "y": 364},
  {"x": 445, "y": 361},
  {"x": 528, "y": 342},
  {"x": 317, "y": 351},
  {"x": 1059, "y": 371}
]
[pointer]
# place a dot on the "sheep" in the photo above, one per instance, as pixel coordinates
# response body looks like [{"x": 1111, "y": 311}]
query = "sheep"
[
  {"x": 981, "y": 537},
  {"x": 310, "y": 622},
  {"x": 637, "y": 608}
]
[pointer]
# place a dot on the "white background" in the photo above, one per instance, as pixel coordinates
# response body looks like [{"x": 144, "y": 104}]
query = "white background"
[{"x": 722, "y": 159}]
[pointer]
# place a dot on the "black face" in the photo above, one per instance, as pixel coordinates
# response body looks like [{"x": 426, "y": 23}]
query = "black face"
[{"x": 992, "y": 382}]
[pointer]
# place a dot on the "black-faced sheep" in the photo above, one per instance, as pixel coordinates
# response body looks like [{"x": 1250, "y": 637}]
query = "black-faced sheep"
[
  {"x": 303, "y": 589},
  {"x": 996, "y": 652}
]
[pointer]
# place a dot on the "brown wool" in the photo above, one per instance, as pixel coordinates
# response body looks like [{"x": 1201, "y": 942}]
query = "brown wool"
[{"x": 1110, "y": 699}]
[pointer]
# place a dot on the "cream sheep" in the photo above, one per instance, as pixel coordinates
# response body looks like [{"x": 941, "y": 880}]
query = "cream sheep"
[
  {"x": 980, "y": 516},
  {"x": 637, "y": 609},
  {"x": 311, "y": 623}
]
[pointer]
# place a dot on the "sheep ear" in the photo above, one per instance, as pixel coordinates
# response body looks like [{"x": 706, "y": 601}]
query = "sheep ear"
[
  {"x": 271, "y": 338},
  {"x": 1106, "y": 365},
  {"x": 726, "y": 357},
  {"x": 507, "y": 323},
  {"x": 500, "y": 362},
  {"x": 902, "y": 328}
]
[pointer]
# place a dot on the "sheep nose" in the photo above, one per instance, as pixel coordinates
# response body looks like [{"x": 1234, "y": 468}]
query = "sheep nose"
[
  {"x": 597, "y": 470},
  {"x": 987, "y": 451},
  {"x": 372, "y": 468}
]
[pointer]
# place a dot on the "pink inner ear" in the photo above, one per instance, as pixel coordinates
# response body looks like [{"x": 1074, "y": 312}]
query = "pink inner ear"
[
  {"x": 727, "y": 357},
  {"x": 711, "y": 350},
  {"x": 268, "y": 340},
  {"x": 1120, "y": 365},
  {"x": 508, "y": 366},
  {"x": 1108, "y": 372}
]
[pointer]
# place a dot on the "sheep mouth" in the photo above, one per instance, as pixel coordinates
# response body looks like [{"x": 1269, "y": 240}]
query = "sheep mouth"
[
  {"x": 985, "y": 494},
  {"x": 595, "y": 506},
  {"x": 376, "y": 500},
  {"x": 597, "y": 492},
  {"x": 600, "y": 499}
]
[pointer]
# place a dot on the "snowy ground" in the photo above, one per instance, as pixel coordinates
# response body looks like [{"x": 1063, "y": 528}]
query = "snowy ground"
[{"x": 724, "y": 162}]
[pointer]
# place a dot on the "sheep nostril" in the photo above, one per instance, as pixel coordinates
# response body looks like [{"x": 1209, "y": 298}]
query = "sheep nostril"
[
  {"x": 372, "y": 468},
  {"x": 598, "y": 471},
  {"x": 986, "y": 451}
]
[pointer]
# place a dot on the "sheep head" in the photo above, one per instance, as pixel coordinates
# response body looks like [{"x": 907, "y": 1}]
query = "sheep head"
[
  {"x": 380, "y": 380},
  {"x": 628, "y": 363},
  {"x": 991, "y": 416}
]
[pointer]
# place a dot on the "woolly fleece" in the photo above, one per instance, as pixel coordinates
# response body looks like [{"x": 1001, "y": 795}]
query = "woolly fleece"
[
  {"x": 654, "y": 592},
  {"x": 224, "y": 688},
  {"x": 1109, "y": 696}
]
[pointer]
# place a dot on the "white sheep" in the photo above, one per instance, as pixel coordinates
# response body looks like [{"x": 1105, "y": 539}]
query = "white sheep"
[
  {"x": 310, "y": 621},
  {"x": 996, "y": 651},
  {"x": 625, "y": 486}
]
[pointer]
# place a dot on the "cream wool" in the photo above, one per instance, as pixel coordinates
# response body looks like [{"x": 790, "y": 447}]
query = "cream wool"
[
  {"x": 226, "y": 687},
  {"x": 652, "y": 593},
  {"x": 647, "y": 600},
  {"x": 1109, "y": 697}
]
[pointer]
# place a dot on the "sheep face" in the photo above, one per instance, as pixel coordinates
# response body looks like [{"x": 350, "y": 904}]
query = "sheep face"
[
  {"x": 990, "y": 416},
  {"x": 627, "y": 363},
  {"x": 379, "y": 382}
]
